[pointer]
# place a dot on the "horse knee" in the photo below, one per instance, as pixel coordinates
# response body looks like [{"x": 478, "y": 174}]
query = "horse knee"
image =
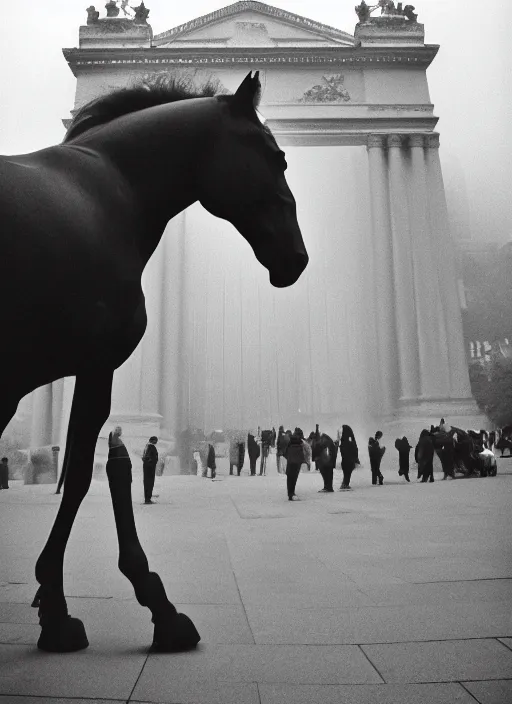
[{"x": 133, "y": 563}]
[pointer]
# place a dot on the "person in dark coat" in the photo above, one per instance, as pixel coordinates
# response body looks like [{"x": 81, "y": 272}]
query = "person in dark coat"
[
  {"x": 253, "y": 450},
  {"x": 323, "y": 453},
  {"x": 349, "y": 456},
  {"x": 119, "y": 465},
  {"x": 447, "y": 457},
  {"x": 376, "y": 452},
  {"x": 424, "y": 455},
  {"x": 149, "y": 462},
  {"x": 403, "y": 447},
  {"x": 210, "y": 462},
  {"x": 266, "y": 439},
  {"x": 295, "y": 457},
  {"x": 236, "y": 455},
  {"x": 4, "y": 473}
]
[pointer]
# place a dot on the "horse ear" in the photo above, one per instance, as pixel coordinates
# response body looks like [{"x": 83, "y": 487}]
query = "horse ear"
[{"x": 248, "y": 92}]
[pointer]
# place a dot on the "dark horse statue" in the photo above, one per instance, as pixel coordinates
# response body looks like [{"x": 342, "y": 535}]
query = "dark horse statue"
[{"x": 78, "y": 223}]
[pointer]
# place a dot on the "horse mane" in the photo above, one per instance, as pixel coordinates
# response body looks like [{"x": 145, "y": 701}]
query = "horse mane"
[{"x": 152, "y": 90}]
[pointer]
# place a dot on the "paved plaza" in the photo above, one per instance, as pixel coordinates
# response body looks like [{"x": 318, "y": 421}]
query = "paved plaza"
[{"x": 400, "y": 594}]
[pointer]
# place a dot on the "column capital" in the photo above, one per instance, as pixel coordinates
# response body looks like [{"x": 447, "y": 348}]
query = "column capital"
[
  {"x": 433, "y": 141},
  {"x": 376, "y": 141},
  {"x": 417, "y": 140},
  {"x": 395, "y": 140}
]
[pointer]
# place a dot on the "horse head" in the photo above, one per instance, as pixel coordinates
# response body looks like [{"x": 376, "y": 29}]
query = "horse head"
[{"x": 243, "y": 182}]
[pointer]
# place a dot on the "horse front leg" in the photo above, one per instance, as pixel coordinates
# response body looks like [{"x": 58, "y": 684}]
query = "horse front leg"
[
  {"x": 173, "y": 631},
  {"x": 89, "y": 411}
]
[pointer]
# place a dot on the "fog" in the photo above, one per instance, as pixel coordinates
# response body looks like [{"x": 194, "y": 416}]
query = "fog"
[{"x": 469, "y": 80}]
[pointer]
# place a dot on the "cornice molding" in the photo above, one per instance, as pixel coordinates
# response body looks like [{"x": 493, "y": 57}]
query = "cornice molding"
[
  {"x": 348, "y": 57},
  {"x": 252, "y": 6}
]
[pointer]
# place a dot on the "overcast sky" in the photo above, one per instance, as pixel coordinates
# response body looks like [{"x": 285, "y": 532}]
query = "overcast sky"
[{"x": 470, "y": 83}]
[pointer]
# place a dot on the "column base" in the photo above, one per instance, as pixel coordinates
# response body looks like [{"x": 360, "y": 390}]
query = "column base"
[
  {"x": 411, "y": 416},
  {"x": 137, "y": 429}
]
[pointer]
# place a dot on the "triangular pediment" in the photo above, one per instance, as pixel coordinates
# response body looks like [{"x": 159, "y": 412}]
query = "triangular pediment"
[{"x": 252, "y": 24}]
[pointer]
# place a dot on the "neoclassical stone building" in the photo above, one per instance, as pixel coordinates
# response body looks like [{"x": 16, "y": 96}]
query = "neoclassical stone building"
[{"x": 371, "y": 334}]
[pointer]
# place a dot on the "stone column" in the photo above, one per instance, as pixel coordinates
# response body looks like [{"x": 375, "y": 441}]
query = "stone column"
[
  {"x": 151, "y": 358},
  {"x": 41, "y": 431},
  {"x": 41, "y": 468},
  {"x": 405, "y": 314},
  {"x": 67, "y": 401},
  {"x": 443, "y": 247},
  {"x": 383, "y": 271},
  {"x": 431, "y": 332},
  {"x": 427, "y": 310}
]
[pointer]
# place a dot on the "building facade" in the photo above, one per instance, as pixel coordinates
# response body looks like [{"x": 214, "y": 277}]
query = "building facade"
[{"x": 371, "y": 334}]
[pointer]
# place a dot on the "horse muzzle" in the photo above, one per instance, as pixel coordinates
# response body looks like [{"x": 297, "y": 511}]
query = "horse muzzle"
[{"x": 287, "y": 271}]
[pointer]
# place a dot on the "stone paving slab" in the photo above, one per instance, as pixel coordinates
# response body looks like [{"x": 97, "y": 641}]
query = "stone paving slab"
[
  {"x": 187, "y": 690},
  {"x": 441, "y": 661},
  {"x": 507, "y": 642},
  {"x": 472, "y": 591},
  {"x": 101, "y": 672},
  {"x": 256, "y": 663},
  {"x": 498, "y": 692},
  {"x": 365, "y": 694},
  {"x": 382, "y": 624}
]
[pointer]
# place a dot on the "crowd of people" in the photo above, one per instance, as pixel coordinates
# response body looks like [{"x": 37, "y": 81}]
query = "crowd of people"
[{"x": 467, "y": 452}]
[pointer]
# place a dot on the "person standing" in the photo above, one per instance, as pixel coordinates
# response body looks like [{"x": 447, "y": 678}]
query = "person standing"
[
  {"x": 281, "y": 444},
  {"x": 266, "y": 439},
  {"x": 424, "y": 454},
  {"x": 118, "y": 462},
  {"x": 403, "y": 447},
  {"x": 233, "y": 454},
  {"x": 323, "y": 453},
  {"x": 236, "y": 455},
  {"x": 149, "y": 462},
  {"x": 307, "y": 453},
  {"x": 447, "y": 457},
  {"x": 253, "y": 450},
  {"x": 295, "y": 458},
  {"x": 4, "y": 473},
  {"x": 212, "y": 465},
  {"x": 349, "y": 456},
  {"x": 376, "y": 451}
]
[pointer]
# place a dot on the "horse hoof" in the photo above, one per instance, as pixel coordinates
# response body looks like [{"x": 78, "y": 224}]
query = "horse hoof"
[
  {"x": 177, "y": 635},
  {"x": 64, "y": 636}
]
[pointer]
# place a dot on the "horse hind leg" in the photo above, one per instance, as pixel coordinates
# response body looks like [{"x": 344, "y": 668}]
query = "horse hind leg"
[
  {"x": 89, "y": 411},
  {"x": 173, "y": 631}
]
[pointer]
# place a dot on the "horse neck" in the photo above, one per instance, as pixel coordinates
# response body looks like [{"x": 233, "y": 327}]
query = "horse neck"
[{"x": 158, "y": 153}]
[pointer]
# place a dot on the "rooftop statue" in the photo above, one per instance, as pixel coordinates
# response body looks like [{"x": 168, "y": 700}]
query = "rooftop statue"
[
  {"x": 363, "y": 11},
  {"x": 387, "y": 9},
  {"x": 92, "y": 14},
  {"x": 112, "y": 9},
  {"x": 141, "y": 14},
  {"x": 409, "y": 13}
]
